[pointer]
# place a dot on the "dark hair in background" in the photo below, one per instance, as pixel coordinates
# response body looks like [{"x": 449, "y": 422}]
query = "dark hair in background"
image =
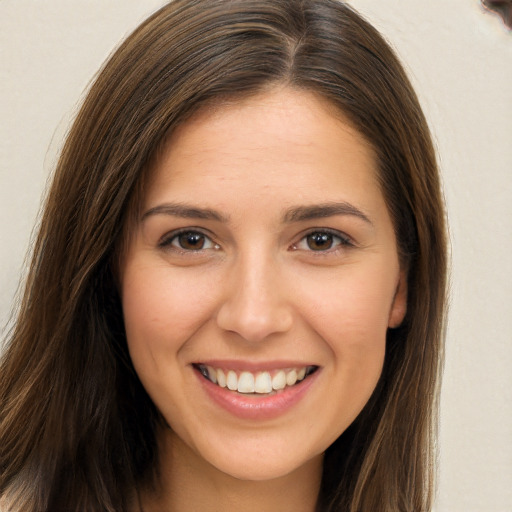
[{"x": 77, "y": 430}]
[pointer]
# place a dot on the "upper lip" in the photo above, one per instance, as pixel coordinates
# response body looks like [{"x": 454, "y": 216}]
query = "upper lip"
[{"x": 253, "y": 366}]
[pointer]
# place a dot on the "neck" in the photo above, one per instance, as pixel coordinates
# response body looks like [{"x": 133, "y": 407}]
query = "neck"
[{"x": 188, "y": 482}]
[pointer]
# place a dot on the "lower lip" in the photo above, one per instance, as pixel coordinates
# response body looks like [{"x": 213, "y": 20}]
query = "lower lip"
[{"x": 256, "y": 407}]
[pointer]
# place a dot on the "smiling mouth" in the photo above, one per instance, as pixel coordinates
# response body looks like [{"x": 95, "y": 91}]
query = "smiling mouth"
[{"x": 260, "y": 382}]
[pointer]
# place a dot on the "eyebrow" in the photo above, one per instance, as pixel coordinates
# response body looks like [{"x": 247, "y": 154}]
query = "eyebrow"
[
  {"x": 184, "y": 211},
  {"x": 295, "y": 214},
  {"x": 319, "y": 211}
]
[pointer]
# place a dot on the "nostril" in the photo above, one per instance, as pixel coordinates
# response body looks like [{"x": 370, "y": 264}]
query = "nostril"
[{"x": 254, "y": 320}]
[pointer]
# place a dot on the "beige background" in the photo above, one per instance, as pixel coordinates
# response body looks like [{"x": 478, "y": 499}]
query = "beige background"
[{"x": 460, "y": 59}]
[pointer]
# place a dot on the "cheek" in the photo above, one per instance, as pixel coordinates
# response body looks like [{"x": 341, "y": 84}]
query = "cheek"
[
  {"x": 162, "y": 309},
  {"x": 349, "y": 312},
  {"x": 351, "y": 308}
]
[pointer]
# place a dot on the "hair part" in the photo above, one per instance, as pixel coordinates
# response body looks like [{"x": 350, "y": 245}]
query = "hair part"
[{"x": 78, "y": 431}]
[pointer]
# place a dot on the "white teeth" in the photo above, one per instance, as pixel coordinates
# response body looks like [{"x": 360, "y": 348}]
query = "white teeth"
[
  {"x": 212, "y": 374},
  {"x": 291, "y": 378},
  {"x": 263, "y": 383},
  {"x": 232, "y": 381},
  {"x": 246, "y": 383},
  {"x": 221, "y": 379},
  {"x": 279, "y": 380}
]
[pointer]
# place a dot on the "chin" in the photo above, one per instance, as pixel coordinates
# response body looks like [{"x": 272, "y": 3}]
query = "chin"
[
  {"x": 255, "y": 466},
  {"x": 258, "y": 473}
]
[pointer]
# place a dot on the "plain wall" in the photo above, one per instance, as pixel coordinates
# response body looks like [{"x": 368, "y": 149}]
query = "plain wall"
[{"x": 460, "y": 59}]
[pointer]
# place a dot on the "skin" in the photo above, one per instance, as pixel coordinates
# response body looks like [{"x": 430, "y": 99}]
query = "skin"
[{"x": 260, "y": 290}]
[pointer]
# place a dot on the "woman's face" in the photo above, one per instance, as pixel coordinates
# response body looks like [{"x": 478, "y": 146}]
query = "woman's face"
[{"x": 259, "y": 283}]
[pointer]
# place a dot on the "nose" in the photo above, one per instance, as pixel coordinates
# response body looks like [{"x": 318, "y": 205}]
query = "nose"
[{"x": 255, "y": 303}]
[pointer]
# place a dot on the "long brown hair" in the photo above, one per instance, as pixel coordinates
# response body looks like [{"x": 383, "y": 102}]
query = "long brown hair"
[{"x": 77, "y": 430}]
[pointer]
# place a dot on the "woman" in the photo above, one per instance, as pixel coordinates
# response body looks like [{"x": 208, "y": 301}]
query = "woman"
[{"x": 237, "y": 293}]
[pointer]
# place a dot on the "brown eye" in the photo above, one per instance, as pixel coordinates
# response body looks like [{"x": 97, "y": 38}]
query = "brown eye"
[
  {"x": 188, "y": 241},
  {"x": 191, "y": 241},
  {"x": 323, "y": 241},
  {"x": 320, "y": 241}
]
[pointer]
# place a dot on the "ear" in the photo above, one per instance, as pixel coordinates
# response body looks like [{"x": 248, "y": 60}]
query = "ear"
[{"x": 399, "y": 306}]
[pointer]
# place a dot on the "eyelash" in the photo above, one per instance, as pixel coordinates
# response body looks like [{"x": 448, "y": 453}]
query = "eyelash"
[
  {"x": 167, "y": 241},
  {"x": 343, "y": 241}
]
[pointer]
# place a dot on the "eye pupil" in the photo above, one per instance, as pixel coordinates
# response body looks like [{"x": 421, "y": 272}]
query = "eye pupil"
[
  {"x": 319, "y": 241},
  {"x": 192, "y": 241}
]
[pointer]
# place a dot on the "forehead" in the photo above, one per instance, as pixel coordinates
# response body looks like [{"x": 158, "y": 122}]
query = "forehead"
[{"x": 284, "y": 141}]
